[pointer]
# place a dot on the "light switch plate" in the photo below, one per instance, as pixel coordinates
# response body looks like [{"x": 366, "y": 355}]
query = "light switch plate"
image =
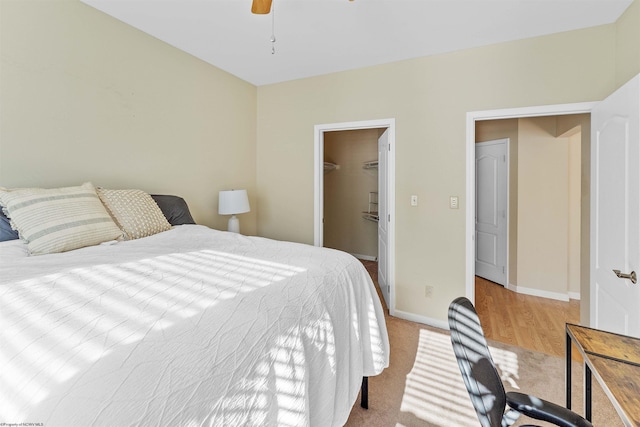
[
  {"x": 453, "y": 202},
  {"x": 414, "y": 200}
]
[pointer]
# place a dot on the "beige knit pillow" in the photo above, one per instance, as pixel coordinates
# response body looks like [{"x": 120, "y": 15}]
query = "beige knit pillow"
[
  {"x": 135, "y": 212},
  {"x": 54, "y": 220}
]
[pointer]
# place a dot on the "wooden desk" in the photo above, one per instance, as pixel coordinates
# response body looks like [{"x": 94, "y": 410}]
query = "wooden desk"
[{"x": 615, "y": 362}]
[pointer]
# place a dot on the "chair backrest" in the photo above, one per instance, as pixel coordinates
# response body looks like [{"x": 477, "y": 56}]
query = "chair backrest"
[{"x": 476, "y": 365}]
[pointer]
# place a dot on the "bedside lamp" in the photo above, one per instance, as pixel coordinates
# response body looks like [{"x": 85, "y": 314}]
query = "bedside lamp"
[{"x": 232, "y": 202}]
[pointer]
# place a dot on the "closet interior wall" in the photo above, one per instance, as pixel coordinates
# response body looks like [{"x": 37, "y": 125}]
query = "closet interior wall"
[{"x": 348, "y": 192}]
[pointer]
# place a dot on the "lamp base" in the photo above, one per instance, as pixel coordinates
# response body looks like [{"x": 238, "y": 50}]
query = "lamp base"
[{"x": 234, "y": 224}]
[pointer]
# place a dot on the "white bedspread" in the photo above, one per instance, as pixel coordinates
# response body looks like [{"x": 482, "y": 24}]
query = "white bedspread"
[{"x": 190, "y": 327}]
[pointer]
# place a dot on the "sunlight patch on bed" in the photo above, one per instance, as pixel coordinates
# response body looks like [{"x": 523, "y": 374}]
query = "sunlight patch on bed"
[
  {"x": 37, "y": 355},
  {"x": 379, "y": 357},
  {"x": 144, "y": 294},
  {"x": 89, "y": 311},
  {"x": 19, "y": 380},
  {"x": 288, "y": 364},
  {"x": 61, "y": 336},
  {"x": 434, "y": 389}
]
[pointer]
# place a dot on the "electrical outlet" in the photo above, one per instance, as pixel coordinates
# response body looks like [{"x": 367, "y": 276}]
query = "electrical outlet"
[{"x": 428, "y": 291}]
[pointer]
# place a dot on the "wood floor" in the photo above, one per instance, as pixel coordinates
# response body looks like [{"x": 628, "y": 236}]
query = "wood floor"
[{"x": 526, "y": 321}]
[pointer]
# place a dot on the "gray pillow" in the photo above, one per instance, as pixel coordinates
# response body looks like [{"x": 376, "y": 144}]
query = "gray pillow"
[
  {"x": 6, "y": 232},
  {"x": 174, "y": 208}
]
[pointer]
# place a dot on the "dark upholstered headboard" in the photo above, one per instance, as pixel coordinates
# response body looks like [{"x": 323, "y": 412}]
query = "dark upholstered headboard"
[{"x": 174, "y": 208}]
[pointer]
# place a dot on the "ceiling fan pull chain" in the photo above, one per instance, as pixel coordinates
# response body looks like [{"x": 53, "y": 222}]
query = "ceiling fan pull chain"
[{"x": 273, "y": 30}]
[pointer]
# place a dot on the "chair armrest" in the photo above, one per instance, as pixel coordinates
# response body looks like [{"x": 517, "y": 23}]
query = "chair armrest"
[{"x": 539, "y": 409}]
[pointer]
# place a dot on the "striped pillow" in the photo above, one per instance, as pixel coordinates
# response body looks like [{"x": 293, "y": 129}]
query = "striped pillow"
[
  {"x": 58, "y": 219},
  {"x": 135, "y": 212}
]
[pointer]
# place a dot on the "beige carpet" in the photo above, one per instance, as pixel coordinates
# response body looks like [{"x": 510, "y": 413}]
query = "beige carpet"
[{"x": 423, "y": 386}]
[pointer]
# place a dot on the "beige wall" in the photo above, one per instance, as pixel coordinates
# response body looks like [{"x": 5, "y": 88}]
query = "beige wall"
[
  {"x": 565, "y": 126},
  {"x": 628, "y": 44},
  {"x": 85, "y": 97},
  {"x": 549, "y": 208},
  {"x": 429, "y": 98},
  {"x": 488, "y": 130},
  {"x": 346, "y": 192}
]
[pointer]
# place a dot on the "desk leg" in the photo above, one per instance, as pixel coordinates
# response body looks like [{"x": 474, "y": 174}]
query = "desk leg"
[
  {"x": 587, "y": 392},
  {"x": 567, "y": 370}
]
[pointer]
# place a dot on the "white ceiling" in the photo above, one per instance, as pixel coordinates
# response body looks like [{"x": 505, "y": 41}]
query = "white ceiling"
[{"x": 316, "y": 37}]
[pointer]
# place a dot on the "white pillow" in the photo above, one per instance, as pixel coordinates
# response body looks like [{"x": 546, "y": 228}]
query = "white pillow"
[
  {"x": 58, "y": 219},
  {"x": 135, "y": 212}
]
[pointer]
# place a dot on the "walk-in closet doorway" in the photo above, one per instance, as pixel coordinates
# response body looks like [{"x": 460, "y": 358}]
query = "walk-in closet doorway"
[
  {"x": 351, "y": 192},
  {"x": 354, "y": 194}
]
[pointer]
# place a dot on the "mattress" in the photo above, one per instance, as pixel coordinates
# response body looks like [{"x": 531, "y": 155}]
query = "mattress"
[{"x": 189, "y": 327}]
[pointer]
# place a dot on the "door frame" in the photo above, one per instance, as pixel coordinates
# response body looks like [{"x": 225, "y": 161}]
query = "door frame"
[
  {"x": 318, "y": 227},
  {"x": 507, "y": 113}
]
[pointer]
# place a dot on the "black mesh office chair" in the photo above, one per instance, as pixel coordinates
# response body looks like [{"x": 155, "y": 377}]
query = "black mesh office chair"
[{"x": 483, "y": 380}]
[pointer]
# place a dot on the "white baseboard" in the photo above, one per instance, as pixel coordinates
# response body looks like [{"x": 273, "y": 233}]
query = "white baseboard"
[
  {"x": 539, "y": 293},
  {"x": 365, "y": 257},
  {"x": 574, "y": 295},
  {"x": 436, "y": 323}
]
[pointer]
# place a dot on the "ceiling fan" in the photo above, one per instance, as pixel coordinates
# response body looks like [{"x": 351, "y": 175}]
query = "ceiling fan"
[{"x": 261, "y": 7}]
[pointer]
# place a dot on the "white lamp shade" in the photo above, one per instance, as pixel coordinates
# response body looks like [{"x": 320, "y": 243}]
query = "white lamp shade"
[{"x": 231, "y": 202}]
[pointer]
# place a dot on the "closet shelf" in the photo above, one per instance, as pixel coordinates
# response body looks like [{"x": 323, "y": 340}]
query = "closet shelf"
[
  {"x": 328, "y": 166},
  {"x": 373, "y": 164},
  {"x": 372, "y": 210},
  {"x": 371, "y": 216}
]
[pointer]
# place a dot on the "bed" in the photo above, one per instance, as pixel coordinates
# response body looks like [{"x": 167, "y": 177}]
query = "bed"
[{"x": 186, "y": 327}]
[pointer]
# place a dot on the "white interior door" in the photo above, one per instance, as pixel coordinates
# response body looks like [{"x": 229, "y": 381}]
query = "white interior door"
[
  {"x": 615, "y": 210},
  {"x": 383, "y": 215},
  {"x": 491, "y": 210}
]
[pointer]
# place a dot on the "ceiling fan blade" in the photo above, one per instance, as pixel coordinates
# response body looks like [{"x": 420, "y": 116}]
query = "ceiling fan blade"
[{"x": 261, "y": 7}]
